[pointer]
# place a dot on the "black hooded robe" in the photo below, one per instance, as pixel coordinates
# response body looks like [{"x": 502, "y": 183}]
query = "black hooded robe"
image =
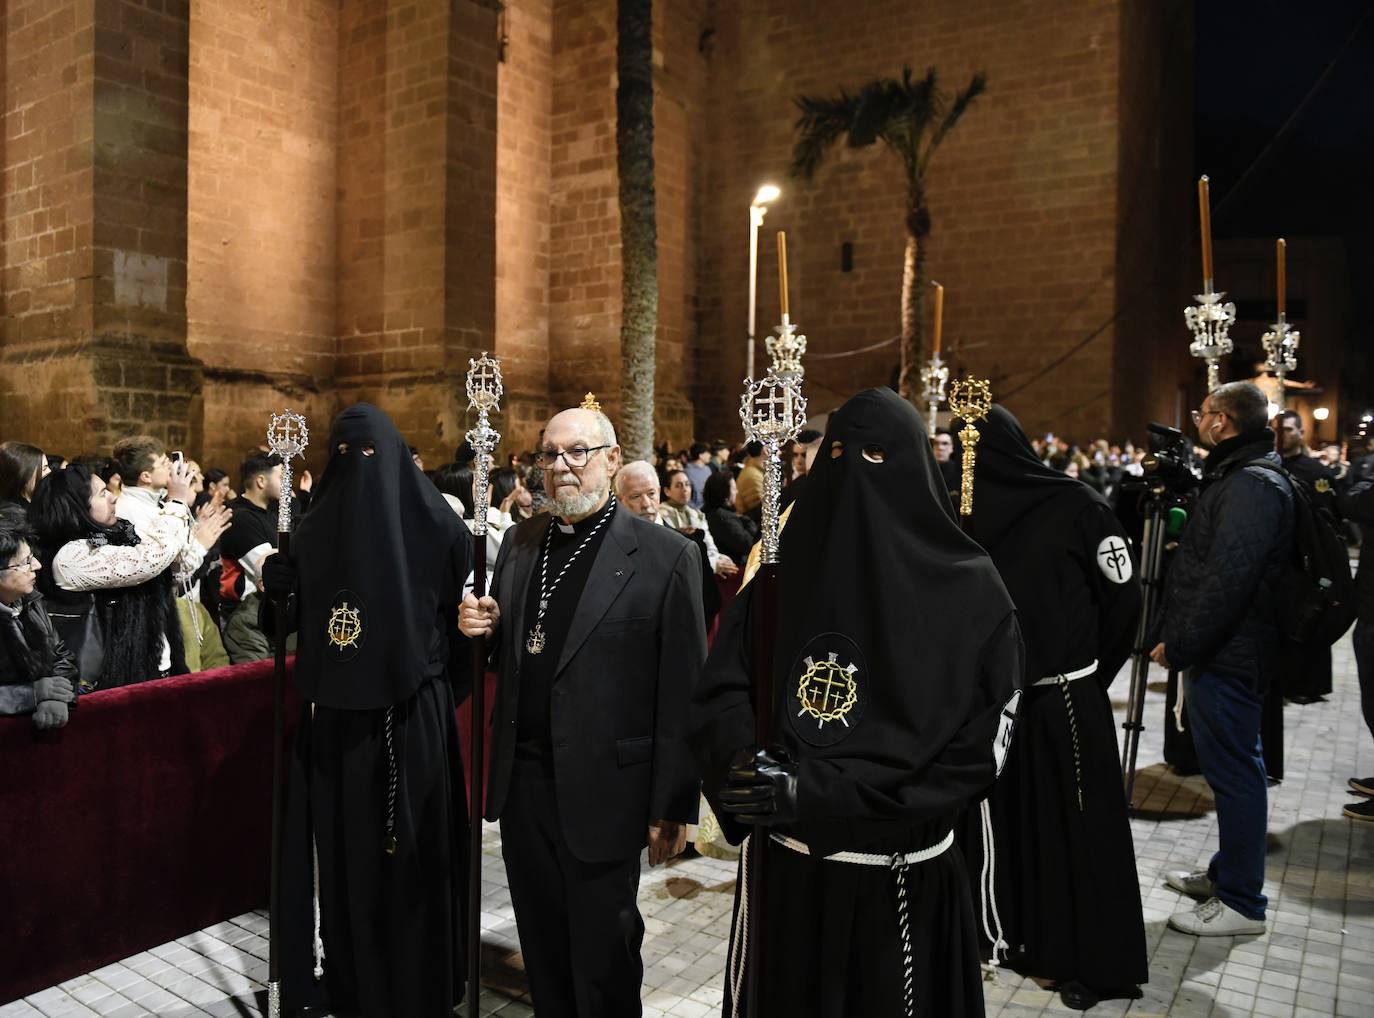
[
  {"x": 875, "y": 571},
  {"x": 376, "y": 760},
  {"x": 1066, "y": 889}
]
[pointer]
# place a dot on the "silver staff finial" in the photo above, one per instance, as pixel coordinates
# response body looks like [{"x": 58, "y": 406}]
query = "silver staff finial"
[
  {"x": 772, "y": 411},
  {"x": 484, "y": 395},
  {"x": 287, "y": 436}
]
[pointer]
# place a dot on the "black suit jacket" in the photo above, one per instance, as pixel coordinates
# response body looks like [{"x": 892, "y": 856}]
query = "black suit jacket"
[{"x": 625, "y": 677}]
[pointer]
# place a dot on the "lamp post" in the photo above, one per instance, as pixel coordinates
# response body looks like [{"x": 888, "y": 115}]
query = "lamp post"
[{"x": 766, "y": 194}]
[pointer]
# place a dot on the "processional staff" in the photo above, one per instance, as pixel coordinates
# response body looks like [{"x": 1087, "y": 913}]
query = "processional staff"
[
  {"x": 287, "y": 436},
  {"x": 1209, "y": 319},
  {"x": 484, "y": 391},
  {"x": 772, "y": 411},
  {"x": 970, "y": 399},
  {"x": 1281, "y": 341}
]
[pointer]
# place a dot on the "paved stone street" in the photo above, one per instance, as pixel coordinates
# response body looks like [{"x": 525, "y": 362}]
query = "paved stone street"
[{"x": 1317, "y": 959}]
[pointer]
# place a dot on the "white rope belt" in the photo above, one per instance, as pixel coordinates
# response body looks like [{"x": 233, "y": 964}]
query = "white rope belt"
[
  {"x": 1053, "y": 680},
  {"x": 869, "y": 859}
]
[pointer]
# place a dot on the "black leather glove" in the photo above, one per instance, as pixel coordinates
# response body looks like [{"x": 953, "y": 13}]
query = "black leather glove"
[
  {"x": 761, "y": 787},
  {"x": 53, "y": 687},
  {"x": 278, "y": 577}
]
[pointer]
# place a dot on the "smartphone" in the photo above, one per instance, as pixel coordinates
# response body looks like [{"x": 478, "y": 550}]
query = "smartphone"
[{"x": 178, "y": 456}]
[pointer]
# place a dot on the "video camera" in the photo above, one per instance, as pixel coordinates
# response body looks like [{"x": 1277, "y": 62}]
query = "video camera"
[{"x": 1171, "y": 462}]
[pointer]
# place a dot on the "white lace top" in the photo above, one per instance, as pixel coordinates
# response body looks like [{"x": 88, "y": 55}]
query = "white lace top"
[{"x": 79, "y": 566}]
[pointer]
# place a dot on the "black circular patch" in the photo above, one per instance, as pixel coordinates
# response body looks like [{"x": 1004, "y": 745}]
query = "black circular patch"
[
  {"x": 826, "y": 690},
  {"x": 345, "y": 626}
]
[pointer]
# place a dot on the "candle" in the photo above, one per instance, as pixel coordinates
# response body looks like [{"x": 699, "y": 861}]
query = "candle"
[
  {"x": 1282, "y": 248},
  {"x": 939, "y": 317},
  {"x": 1204, "y": 203},
  {"x": 782, "y": 272}
]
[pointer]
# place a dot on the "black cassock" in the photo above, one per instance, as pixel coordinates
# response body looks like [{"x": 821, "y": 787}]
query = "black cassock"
[
  {"x": 896, "y": 668},
  {"x": 377, "y": 792},
  {"x": 1066, "y": 887}
]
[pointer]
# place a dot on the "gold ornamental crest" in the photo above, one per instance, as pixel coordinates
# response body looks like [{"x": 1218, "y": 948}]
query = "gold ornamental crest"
[
  {"x": 345, "y": 626},
  {"x": 827, "y": 690},
  {"x": 1322, "y": 485}
]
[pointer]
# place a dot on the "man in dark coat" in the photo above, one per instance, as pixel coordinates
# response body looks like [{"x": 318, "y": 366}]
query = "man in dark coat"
[
  {"x": 1066, "y": 886},
  {"x": 1306, "y": 670},
  {"x": 598, "y": 637},
  {"x": 897, "y": 666},
  {"x": 375, "y": 814},
  {"x": 1221, "y": 625}
]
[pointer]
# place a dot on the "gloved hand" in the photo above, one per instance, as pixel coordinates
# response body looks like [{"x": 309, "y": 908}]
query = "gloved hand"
[
  {"x": 761, "y": 787},
  {"x": 278, "y": 577},
  {"x": 50, "y": 714},
  {"x": 53, "y": 687}
]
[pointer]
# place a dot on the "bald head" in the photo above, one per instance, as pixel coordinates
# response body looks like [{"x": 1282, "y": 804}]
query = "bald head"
[{"x": 579, "y": 481}]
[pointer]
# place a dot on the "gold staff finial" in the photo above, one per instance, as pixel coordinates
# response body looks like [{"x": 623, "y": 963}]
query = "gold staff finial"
[
  {"x": 589, "y": 403},
  {"x": 970, "y": 399}
]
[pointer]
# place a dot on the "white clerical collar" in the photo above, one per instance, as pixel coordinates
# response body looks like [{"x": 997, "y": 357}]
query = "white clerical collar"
[{"x": 565, "y": 528}]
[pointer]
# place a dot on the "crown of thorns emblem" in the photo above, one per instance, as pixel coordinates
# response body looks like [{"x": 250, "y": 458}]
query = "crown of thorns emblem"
[
  {"x": 827, "y": 690},
  {"x": 345, "y": 626}
]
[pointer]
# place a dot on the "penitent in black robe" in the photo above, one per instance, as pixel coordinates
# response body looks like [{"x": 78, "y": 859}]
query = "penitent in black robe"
[
  {"x": 376, "y": 778},
  {"x": 1067, "y": 893},
  {"x": 877, "y": 579}
]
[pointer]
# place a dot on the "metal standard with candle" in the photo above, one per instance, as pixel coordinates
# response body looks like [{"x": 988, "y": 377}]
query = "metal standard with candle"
[
  {"x": 789, "y": 346},
  {"x": 1209, "y": 319},
  {"x": 935, "y": 374},
  {"x": 1281, "y": 341}
]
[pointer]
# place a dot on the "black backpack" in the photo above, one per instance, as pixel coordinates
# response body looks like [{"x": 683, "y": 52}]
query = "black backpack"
[{"x": 1318, "y": 599}]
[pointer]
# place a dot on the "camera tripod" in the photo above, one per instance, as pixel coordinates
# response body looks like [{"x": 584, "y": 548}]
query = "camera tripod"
[{"x": 1151, "y": 581}]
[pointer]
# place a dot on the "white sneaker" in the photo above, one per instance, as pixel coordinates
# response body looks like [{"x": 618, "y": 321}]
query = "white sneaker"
[
  {"x": 1215, "y": 918},
  {"x": 1195, "y": 883}
]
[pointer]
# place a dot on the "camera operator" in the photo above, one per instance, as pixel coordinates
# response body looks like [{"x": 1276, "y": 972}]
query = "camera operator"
[{"x": 1220, "y": 622}]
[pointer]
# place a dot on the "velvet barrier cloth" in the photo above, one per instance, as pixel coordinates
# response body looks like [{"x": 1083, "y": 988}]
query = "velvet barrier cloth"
[{"x": 146, "y": 818}]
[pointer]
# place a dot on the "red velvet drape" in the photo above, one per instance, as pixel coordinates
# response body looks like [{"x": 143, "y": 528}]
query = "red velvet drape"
[{"x": 146, "y": 818}]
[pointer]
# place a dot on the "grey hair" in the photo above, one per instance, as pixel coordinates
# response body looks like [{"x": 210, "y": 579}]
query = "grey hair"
[
  {"x": 635, "y": 468},
  {"x": 1244, "y": 402}
]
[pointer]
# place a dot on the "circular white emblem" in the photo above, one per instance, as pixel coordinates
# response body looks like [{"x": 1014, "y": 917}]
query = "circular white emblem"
[{"x": 1114, "y": 559}]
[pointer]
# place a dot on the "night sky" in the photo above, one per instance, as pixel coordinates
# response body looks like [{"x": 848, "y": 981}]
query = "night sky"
[{"x": 1282, "y": 168}]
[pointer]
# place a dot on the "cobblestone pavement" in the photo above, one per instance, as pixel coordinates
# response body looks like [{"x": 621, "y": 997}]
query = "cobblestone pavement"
[{"x": 1316, "y": 960}]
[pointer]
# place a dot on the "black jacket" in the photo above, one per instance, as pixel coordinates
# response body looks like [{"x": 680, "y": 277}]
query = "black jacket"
[
  {"x": 734, "y": 534},
  {"x": 626, "y": 674},
  {"x": 16, "y": 689},
  {"x": 1221, "y": 604},
  {"x": 1358, "y": 504}
]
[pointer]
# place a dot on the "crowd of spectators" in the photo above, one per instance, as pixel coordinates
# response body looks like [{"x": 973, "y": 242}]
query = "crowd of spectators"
[{"x": 121, "y": 568}]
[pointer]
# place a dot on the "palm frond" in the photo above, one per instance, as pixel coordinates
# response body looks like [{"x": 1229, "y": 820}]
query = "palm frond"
[
  {"x": 976, "y": 87},
  {"x": 823, "y": 122}
]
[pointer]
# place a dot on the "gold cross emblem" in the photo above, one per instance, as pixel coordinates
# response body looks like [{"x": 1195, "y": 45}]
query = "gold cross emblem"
[
  {"x": 827, "y": 690},
  {"x": 345, "y": 626}
]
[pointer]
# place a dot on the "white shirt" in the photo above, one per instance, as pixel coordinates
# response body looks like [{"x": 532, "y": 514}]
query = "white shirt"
[
  {"x": 140, "y": 506},
  {"x": 79, "y": 566}
]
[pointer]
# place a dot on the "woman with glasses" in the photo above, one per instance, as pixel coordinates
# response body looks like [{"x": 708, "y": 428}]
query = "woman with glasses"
[
  {"x": 37, "y": 671},
  {"x": 108, "y": 586}
]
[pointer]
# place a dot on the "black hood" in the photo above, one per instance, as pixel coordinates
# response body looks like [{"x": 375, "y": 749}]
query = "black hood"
[
  {"x": 1009, "y": 479},
  {"x": 876, "y": 571},
  {"x": 373, "y": 554}
]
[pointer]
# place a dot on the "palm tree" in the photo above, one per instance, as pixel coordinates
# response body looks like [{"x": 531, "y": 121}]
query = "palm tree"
[
  {"x": 911, "y": 118},
  {"x": 634, "y": 142}
]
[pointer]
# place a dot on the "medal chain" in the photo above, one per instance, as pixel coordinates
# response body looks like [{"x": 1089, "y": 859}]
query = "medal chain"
[{"x": 535, "y": 643}]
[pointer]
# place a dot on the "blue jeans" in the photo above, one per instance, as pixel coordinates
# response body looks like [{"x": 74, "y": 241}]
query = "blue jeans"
[{"x": 1225, "y": 717}]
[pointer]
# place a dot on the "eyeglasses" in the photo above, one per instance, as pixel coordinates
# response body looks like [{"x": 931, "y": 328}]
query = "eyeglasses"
[
  {"x": 30, "y": 564},
  {"x": 576, "y": 457},
  {"x": 1198, "y": 415}
]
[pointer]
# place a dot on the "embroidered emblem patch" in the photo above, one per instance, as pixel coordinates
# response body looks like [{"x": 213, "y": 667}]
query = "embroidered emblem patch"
[
  {"x": 1006, "y": 725},
  {"x": 344, "y": 628},
  {"x": 1114, "y": 559},
  {"x": 1323, "y": 485},
  {"x": 828, "y": 690}
]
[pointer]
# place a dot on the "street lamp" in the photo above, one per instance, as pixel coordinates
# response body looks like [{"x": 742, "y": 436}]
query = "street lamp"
[{"x": 766, "y": 194}]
